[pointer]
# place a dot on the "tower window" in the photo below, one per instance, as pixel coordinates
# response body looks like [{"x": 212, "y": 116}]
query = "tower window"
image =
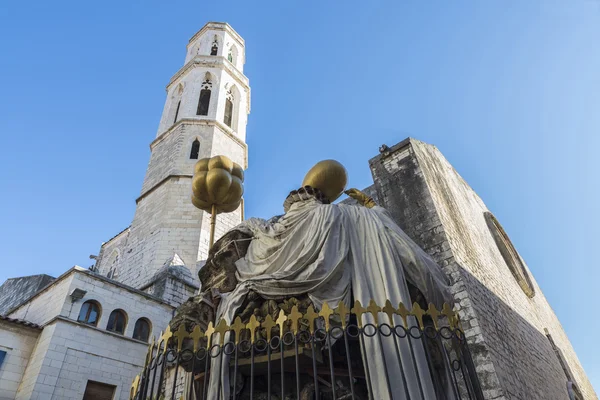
[
  {"x": 195, "y": 150},
  {"x": 89, "y": 313},
  {"x": 204, "y": 102},
  {"x": 141, "y": 331},
  {"x": 116, "y": 321},
  {"x": 177, "y": 111},
  {"x": 215, "y": 47},
  {"x": 228, "y": 112}
]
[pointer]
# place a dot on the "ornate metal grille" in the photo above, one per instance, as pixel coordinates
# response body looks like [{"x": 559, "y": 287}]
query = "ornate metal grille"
[{"x": 310, "y": 356}]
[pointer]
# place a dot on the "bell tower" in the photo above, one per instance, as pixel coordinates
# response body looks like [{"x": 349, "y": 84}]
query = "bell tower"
[{"x": 205, "y": 114}]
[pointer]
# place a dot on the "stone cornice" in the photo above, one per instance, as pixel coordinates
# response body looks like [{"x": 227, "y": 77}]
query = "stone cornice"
[
  {"x": 210, "y": 122},
  {"x": 157, "y": 185},
  {"x": 214, "y": 62},
  {"x": 218, "y": 26}
]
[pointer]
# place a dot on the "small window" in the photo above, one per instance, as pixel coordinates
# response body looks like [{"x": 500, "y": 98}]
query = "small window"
[
  {"x": 89, "y": 313},
  {"x": 214, "y": 49},
  {"x": 141, "y": 331},
  {"x": 99, "y": 391},
  {"x": 230, "y": 56},
  {"x": 228, "y": 112},
  {"x": 510, "y": 255},
  {"x": 177, "y": 111},
  {"x": 195, "y": 150},
  {"x": 203, "y": 102},
  {"x": 117, "y": 321}
]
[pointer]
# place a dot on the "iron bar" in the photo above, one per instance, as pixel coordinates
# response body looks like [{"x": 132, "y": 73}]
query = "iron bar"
[
  {"x": 235, "y": 368},
  {"x": 205, "y": 385},
  {"x": 154, "y": 373},
  {"x": 297, "y": 367},
  {"x": 282, "y": 369},
  {"x": 366, "y": 364},
  {"x": 414, "y": 360},
  {"x": 252, "y": 372},
  {"x": 387, "y": 377},
  {"x": 314, "y": 365},
  {"x": 175, "y": 378},
  {"x": 192, "y": 380},
  {"x": 451, "y": 374},
  {"x": 269, "y": 370},
  {"x": 331, "y": 364},
  {"x": 404, "y": 382}
]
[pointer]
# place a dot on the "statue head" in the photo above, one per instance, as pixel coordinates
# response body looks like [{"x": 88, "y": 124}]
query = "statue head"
[{"x": 329, "y": 176}]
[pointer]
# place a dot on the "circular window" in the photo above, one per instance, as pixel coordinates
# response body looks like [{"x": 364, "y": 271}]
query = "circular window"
[{"x": 510, "y": 255}]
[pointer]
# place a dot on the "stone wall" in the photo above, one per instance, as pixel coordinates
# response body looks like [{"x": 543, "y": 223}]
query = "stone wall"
[
  {"x": 69, "y": 354},
  {"x": 505, "y": 327},
  {"x": 16, "y": 290},
  {"x": 18, "y": 341}
]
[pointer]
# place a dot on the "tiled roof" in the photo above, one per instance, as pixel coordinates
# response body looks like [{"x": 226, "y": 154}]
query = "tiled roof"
[{"x": 20, "y": 322}]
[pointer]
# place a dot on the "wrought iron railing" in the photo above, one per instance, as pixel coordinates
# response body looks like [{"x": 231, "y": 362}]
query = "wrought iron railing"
[{"x": 311, "y": 355}]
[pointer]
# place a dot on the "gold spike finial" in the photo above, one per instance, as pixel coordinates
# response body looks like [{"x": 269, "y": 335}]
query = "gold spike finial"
[
  {"x": 281, "y": 322},
  {"x": 358, "y": 310},
  {"x": 418, "y": 312},
  {"x": 221, "y": 329},
  {"x": 343, "y": 312},
  {"x": 268, "y": 324},
  {"x": 237, "y": 328},
  {"x": 434, "y": 314},
  {"x": 389, "y": 310},
  {"x": 404, "y": 313},
  {"x": 196, "y": 335},
  {"x": 311, "y": 315},
  {"x": 326, "y": 312},
  {"x": 374, "y": 309},
  {"x": 253, "y": 325},
  {"x": 180, "y": 335},
  {"x": 294, "y": 317},
  {"x": 210, "y": 329}
]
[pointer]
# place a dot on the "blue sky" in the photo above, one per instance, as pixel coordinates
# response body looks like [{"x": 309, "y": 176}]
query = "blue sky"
[{"x": 509, "y": 91}]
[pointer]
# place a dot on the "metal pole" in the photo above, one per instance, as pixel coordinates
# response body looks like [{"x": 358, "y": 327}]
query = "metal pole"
[{"x": 213, "y": 221}]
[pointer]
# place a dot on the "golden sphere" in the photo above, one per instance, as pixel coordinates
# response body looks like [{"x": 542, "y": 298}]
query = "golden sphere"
[{"x": 329, "y": 176}]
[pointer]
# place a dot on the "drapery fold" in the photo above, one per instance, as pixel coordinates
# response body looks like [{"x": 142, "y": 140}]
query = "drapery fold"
[{"x": 333, "y": 252}]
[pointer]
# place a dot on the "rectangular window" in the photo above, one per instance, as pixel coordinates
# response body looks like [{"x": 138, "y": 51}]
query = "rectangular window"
[
  {"x": 99, "y": 391},
  {"x": 2, "y": 357}
]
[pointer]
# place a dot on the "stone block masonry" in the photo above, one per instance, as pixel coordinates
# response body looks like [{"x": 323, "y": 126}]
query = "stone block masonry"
[{"x": 506, "y": 329}]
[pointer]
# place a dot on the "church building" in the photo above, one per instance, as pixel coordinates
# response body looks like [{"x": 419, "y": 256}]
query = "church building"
[{"x": 85, "y": 334}]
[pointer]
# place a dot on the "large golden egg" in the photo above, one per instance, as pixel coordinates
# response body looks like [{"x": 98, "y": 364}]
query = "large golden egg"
[{"x": 329, "y": 176}]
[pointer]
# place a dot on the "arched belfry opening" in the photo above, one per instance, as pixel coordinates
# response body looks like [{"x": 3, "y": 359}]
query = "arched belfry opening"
[
  {"x": 215, "y": 47},
  {"x": 229, "y": 101},
  {"x": 205, "y": 93},
  {"x": 195, "y": 151}
]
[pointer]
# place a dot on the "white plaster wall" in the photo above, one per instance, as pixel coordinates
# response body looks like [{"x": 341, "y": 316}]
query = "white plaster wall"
[{"x": 18, "y": 342}]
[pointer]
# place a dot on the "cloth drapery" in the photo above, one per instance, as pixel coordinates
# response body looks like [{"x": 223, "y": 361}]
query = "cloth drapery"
[{"x": 333, "y": 252}]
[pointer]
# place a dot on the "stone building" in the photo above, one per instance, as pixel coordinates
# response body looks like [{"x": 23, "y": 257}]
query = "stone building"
[{"x": 84, "y": 334}]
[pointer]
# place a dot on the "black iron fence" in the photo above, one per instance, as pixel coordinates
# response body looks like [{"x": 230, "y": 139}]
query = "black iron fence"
[{"x": 416, "y": 354}]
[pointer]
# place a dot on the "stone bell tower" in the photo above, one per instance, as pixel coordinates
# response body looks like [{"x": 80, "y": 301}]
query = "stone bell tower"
[{"x": 205, "y": 114}]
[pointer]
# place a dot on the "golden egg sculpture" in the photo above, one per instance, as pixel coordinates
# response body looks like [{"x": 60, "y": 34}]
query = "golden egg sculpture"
[
  {"x": 217, "y": 185},
  {"x": 329, "y": 176}
]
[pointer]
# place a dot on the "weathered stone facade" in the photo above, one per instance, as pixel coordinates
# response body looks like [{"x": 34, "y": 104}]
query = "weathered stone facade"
[
  {"x": 505, "y": 327},
  {"x": 16, "y": 290}
]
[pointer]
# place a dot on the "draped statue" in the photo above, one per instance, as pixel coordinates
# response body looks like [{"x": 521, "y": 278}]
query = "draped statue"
[{"x": 320, "y": 252}]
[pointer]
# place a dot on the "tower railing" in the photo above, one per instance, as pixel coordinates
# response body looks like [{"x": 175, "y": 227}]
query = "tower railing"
[{"x": 312, "y": 355}]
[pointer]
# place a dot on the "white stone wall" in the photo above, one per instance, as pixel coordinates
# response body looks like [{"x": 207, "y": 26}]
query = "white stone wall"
[
  {"x": 47, "y": 304},
  {"x": 69, "y": 354},
  {"x": 165, "y": 222},
  {"x": 18, "y": 342}
]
